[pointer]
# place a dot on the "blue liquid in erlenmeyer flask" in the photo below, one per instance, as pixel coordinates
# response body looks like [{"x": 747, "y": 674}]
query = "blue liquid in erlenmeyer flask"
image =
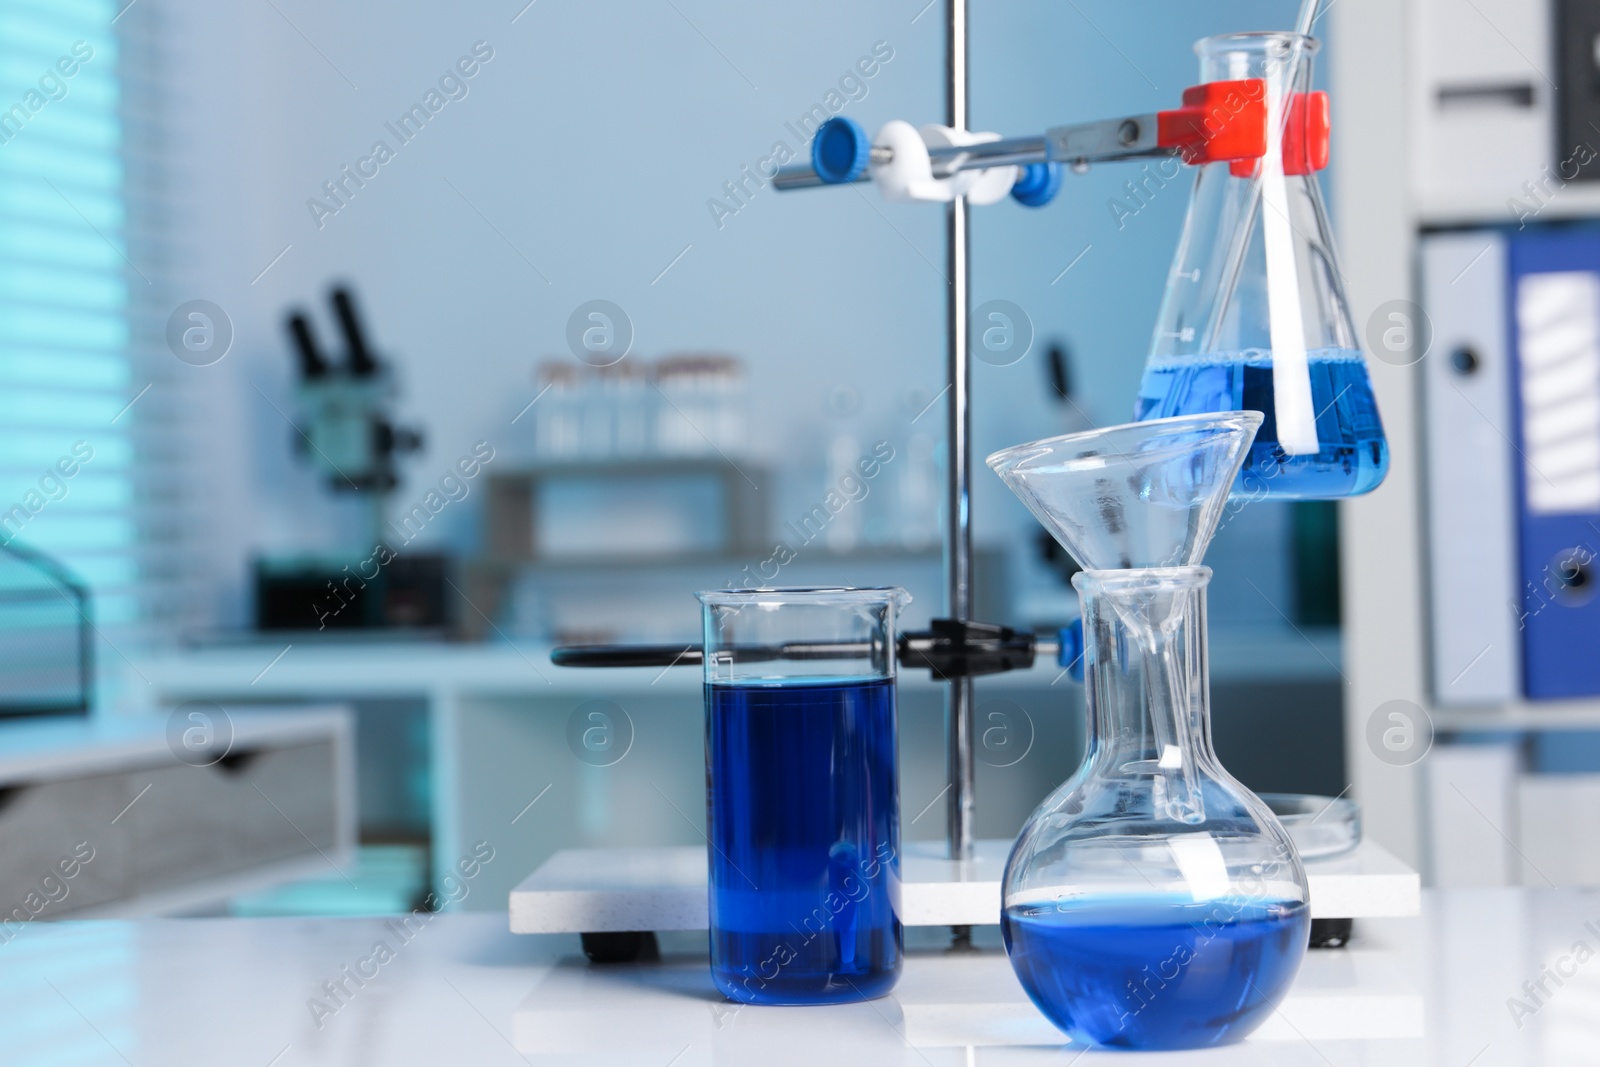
[
  {"x": 1354, "y": 455},
  {"x": 1157, "y": 972},
  {"x": 803, "y": 820}
]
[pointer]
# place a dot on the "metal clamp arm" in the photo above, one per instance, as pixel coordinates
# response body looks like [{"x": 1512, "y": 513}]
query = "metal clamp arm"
[
  {"x": 1219, "y": 121},
  {"x": 948, "y": 649}
]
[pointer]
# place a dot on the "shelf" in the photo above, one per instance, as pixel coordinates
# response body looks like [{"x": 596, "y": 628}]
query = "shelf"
[
  {"x": 623, "y": 466},
  {"x": 611, "y": 562},
  {"x": 418, "y": 668},
  {"x": 1546, "y": 715},
  {"x": 1576, "y": 201}
]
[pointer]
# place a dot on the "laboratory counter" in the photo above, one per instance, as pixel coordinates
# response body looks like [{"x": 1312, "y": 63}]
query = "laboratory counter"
[{"x": 1485, "y": 978}]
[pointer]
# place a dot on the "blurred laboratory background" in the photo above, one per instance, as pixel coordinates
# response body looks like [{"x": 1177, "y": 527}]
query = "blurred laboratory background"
[{"x": 356, "y": 356}]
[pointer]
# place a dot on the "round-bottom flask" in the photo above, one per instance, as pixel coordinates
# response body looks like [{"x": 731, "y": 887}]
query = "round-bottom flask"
[{"x": 1152, "y": 901}]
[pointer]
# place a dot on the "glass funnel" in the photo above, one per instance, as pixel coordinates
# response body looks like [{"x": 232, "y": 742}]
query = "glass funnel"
[
  {"x": 1255, "y": 314},
  {"x": 1152, "y": 901},
  {"x": 802, "y": 793}
]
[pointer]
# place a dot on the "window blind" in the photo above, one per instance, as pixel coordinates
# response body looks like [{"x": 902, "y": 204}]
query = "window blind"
[{"x": 70, "y": 291}]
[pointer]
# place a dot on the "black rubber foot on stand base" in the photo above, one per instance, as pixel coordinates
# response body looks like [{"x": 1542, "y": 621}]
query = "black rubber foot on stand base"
[
  {"x": 1331, "y": 933},
  {"x": 960, "y": 941},
  {"x": 621, "y": 947}
]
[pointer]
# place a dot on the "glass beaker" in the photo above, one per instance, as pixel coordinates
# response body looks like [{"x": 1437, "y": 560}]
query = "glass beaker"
[
  {"x": 1151, "y": 901},
  {"x": 1255, "y": 314},
  {"x": 802, "y": 806}
]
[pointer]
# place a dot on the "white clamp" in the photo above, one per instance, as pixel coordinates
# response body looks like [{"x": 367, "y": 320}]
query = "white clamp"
[{"x": 907, "y": 175}]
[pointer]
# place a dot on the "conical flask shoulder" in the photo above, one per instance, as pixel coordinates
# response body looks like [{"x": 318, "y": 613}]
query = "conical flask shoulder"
[{"x": 1145, "y": 494}]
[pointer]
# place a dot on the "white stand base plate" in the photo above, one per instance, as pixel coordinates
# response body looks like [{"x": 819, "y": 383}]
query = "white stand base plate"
[{"x": 606, "y": 890}]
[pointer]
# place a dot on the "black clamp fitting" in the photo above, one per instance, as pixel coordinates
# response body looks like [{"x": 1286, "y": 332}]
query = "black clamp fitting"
[{"x": 954, "y": 648}]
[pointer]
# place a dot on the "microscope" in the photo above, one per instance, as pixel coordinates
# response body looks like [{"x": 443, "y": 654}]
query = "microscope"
[{"x": 346, "y": 431}]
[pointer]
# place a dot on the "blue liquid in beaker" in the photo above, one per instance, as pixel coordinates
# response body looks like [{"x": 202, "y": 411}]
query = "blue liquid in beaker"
[
  {"x": 803, "y": 820},
  {"x": 1157, "y": 972},
  {"x": 1354, "y": 455}
]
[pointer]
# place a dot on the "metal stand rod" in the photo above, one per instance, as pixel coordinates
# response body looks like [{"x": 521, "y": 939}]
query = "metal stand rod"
[
  {"x": 958, "y": 461},
  {"x": 958, "y": 517},
  {"x": 958, "y": 541}
]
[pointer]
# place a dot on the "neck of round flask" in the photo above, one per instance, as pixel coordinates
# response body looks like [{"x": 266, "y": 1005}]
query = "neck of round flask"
[{"x": 1146, "y": 681}]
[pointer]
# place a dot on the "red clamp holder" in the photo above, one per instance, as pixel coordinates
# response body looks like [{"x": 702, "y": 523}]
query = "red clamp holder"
[
  {"x": 1305, "y": 138},
  {"x": 1223, "y": 121}
]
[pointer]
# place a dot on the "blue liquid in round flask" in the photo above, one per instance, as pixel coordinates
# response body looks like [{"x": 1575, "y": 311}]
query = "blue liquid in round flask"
[
  {"x": 802, "y": 813},
  {"x": 1157, "y": 972}
]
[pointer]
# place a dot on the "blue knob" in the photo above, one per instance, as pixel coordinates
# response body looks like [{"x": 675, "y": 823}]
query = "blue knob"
[
  {"x": 1071, "y": 654},
  {"x": 1037, "y": 185},
  {"x": 840, "y": 150}
]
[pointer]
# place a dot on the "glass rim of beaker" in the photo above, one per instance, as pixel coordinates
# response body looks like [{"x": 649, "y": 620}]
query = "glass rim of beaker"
[
  {"x": 1216, "y": 42},
  {"x": 1012, "y": 459},
  {"x": 806, "y": 594}
]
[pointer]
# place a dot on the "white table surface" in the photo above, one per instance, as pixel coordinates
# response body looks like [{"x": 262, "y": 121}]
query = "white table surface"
[{"x": 1415, "y": 992}]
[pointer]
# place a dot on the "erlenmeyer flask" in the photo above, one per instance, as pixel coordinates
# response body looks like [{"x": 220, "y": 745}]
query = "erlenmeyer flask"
[
  {"x": 1255, "y": 315},
  {"x": 1152, "y": 901}
]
